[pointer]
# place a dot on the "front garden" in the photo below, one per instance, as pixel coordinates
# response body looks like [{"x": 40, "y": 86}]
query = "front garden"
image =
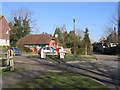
[{"x": 62, "y": 80}]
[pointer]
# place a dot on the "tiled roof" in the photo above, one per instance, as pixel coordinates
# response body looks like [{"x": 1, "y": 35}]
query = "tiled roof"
[
  {"x": 35, "y": 39},
  {"x": 0, "y": 16}
]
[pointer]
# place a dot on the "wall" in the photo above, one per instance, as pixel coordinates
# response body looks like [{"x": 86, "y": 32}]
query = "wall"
[
  {"x": 3, "y": 42},
  {"x": 4, "y": 37}
]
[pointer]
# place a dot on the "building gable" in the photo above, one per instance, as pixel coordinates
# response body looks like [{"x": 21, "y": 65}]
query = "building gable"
[{"x": 4, "y": 32}]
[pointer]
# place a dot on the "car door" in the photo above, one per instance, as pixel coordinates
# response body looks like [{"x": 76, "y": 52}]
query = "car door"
[{"x": 48, "y": 51}]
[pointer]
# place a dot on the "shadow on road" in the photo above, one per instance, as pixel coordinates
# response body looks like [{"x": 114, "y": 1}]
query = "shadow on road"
[{"x": 29, "y": 71}]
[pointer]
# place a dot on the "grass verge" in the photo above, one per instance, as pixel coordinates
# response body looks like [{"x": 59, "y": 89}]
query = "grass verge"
[
  {"x": 88, "y": 56},
  {"x": 62, "y": 80}
]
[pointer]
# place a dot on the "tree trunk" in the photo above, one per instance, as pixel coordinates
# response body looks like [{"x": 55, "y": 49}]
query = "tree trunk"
[{"x": 86, "y": 50}]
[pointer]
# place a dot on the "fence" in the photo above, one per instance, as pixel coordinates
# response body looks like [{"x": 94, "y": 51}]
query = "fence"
[{"x": 5, "y": 62}]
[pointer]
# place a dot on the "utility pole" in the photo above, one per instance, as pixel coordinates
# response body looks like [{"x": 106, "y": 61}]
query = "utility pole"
[{"x": 74, "y": 38}]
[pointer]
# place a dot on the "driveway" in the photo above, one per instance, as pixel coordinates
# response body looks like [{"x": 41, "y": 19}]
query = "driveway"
[{"x": 102, "y": 70}]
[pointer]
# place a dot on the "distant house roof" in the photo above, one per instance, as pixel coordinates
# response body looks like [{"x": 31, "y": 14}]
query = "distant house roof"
[
  {"x": 35, "y": 39},
  {"x": 5, "y": 22},
  {"x": 113, "y": 37}
]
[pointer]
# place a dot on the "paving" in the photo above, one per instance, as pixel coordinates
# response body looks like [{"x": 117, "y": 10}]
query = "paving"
[{"x": 103, "y": 69}]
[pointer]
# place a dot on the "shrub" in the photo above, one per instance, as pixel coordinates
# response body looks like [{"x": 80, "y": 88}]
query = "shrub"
[
  {"x": 110, "y": 50},
  {"x": 27, "y": 49},
  {"x": 23, "y": 48},
  {"x": 78, "y": 50}
]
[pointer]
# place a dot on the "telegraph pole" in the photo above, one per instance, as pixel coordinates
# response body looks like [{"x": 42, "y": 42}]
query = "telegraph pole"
[{"x": 74, "y": 38}]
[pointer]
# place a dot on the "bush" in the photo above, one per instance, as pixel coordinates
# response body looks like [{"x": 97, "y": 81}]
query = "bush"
[
  {"x": 78, "y": 50},
  {"x": 21, "y": 47},
  {"x": 24, "y": 49},
  {"x": 3, "y": 49},
  {"x": 118, "y": 49},
  {"x": 110, "y": 51}
]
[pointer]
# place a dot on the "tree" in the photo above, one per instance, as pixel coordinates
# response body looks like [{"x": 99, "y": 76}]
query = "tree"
[
  {"x": 119, "y": 27},
  {"x": 20, "y": 24},
  {"x": 86, "y": 42},
  {"x": 60, "y": 35},
  {"x": 115, "y": 21},
  {"x": 69, "y": 40}
]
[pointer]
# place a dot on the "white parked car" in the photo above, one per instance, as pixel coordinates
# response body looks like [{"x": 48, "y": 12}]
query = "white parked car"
[{"x": 50, "y": 50}]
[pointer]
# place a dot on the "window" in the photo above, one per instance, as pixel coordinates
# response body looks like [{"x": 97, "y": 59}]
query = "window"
[
  {"x": 6, "y": 31},
  {"x": 48, "y": 48}
]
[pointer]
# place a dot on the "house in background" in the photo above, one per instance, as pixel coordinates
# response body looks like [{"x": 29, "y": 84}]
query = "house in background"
[
  {"x": 4, "y": 32},
  {"x": 112, "y": 39},
  {"x": 36, "y": 41}
]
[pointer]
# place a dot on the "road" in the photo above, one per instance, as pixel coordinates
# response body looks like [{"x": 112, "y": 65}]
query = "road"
[
  {"x": 105, "y": 69},
  {"x": 111, "y": 64}
]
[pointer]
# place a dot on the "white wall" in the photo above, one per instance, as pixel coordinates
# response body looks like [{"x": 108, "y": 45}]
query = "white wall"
[{"x": 3, "y": 42}]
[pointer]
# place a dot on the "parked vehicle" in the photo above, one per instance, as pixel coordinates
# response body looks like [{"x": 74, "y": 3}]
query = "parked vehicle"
[
  {"x": 48, "y": 51},
  {"x": 51, "y": 50},
  {"x": 61, "y": 49},
  {"x": 16, "y": 51}
]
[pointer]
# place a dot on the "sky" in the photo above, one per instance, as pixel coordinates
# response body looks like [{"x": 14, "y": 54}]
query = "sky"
[{"x": 49, "y": 15}]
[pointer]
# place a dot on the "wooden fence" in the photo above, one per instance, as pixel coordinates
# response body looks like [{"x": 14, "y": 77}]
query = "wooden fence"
[{"x": 4, "y": 62}]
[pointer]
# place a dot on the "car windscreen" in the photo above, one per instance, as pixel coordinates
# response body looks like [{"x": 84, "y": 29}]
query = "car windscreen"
[{"x": 48, "y": 48}]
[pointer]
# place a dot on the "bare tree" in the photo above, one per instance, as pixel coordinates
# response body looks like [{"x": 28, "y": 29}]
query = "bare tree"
[
  {"x": 21, "y": 23},
  {"x": 107, "y": 30},
  {"x": 63, "y": 28},
  {"x": 23, "y": 13},
  {"x": 114, "y": 20},
  {"x": 80, "y": 33},
  {"x": 119, "y": 27}
]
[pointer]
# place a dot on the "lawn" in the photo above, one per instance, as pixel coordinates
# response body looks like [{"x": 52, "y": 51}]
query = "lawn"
[{"x": 61, "y": 80}]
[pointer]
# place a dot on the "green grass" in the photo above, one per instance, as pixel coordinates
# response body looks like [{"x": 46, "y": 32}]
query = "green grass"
[
  {"x": 70, "y": 57},
  {"x": 7, "y": 71},
  {"x": 88, "y": 56},
  {"x": 61, "y": 80}
]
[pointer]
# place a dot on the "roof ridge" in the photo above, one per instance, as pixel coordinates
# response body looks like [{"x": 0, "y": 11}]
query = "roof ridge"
[
  {"x": 38, "y": 34},
  {"x": 35, "y": 39},
  {"x": 1, "y": 16}
]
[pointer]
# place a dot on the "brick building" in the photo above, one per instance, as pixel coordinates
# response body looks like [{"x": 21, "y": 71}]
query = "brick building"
[
  {"x": 36, "y": 41},
  {"x": 4, "y": 32}
]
